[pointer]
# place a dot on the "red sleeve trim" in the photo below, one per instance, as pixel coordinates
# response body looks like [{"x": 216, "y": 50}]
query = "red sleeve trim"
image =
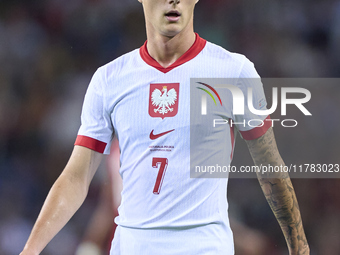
[
  {"x": 257, "y": 131},
  {"x": 194, "y": 50},
  {"x": 90, "y": 143}
]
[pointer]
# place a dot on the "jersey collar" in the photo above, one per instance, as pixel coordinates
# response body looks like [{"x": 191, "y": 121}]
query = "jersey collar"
[{"x": 194, "y": 50}]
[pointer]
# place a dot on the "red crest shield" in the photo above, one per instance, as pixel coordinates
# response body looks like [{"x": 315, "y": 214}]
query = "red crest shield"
[{"x": 163, "y": 100}]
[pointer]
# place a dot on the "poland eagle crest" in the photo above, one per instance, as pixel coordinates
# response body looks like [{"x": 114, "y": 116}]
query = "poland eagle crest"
[{"x": 163, "y": 100}]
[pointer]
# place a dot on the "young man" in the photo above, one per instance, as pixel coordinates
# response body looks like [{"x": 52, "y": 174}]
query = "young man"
[{"x": 163, "y": 210}]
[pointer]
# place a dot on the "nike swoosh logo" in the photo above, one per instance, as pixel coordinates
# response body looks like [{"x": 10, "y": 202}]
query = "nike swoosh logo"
[{"x": 153, "y": 136}]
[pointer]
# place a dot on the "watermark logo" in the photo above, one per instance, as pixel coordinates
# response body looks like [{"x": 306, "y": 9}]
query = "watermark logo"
[
  {"x": 204, "y": 97},
  {"x": 297, "y": 108},
  {"x": 239, "y": 105}
]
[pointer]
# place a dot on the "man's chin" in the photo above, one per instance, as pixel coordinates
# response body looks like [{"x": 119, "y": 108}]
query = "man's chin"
[{"x": 172, "y": 30}]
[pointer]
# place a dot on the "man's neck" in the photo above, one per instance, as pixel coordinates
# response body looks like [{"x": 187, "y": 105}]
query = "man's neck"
[{"x": 166, "y": 50}]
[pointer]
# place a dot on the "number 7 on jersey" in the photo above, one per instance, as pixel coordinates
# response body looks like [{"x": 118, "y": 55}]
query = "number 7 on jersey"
[{"x": 162, "y": 163}]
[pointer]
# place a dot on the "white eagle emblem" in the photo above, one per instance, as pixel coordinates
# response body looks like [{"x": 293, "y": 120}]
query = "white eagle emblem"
[{"x": 163, "y": 101}]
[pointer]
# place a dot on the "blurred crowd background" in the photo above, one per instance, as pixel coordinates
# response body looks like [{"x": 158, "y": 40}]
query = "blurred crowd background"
[{"x": 50, "y": 49}]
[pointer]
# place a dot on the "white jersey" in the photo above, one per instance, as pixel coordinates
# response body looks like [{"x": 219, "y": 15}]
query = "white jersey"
[{"x": 163, "y": 210}]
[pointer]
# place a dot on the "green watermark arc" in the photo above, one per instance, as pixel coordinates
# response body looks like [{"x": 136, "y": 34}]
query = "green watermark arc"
[
  {"x": 208, "y": 94},
  {"x": 212, "y": 89}
]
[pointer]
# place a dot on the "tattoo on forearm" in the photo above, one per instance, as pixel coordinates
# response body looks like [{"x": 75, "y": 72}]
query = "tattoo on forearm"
[{"x": 279, "y": 192}]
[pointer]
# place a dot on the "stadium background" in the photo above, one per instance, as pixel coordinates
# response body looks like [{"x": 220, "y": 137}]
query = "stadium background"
[{"x": 50, "y": 49}]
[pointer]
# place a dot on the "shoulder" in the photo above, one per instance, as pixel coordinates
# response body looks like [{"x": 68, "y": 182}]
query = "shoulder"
[
  {"x": 216, "y": 51},
  {"x": 237, "y": 61},
  {"x": 115, "y": 67}
]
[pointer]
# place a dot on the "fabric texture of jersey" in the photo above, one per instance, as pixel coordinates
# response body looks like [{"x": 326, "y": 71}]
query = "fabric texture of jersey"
[{"x": 163, "y": 210}]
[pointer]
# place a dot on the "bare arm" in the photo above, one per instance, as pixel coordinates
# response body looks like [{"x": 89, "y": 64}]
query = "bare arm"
[
  {"x": 65, "y": 197},
  {"x": 279, "y": 193}
]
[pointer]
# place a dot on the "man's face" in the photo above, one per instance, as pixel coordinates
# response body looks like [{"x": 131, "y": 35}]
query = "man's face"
[{"x": 168, "y": 17}]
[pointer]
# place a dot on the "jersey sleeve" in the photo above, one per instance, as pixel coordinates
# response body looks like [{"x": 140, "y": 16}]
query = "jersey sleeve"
[
  {"x": 252, "y": 126},
  {"x": 96, "y": 130}
]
